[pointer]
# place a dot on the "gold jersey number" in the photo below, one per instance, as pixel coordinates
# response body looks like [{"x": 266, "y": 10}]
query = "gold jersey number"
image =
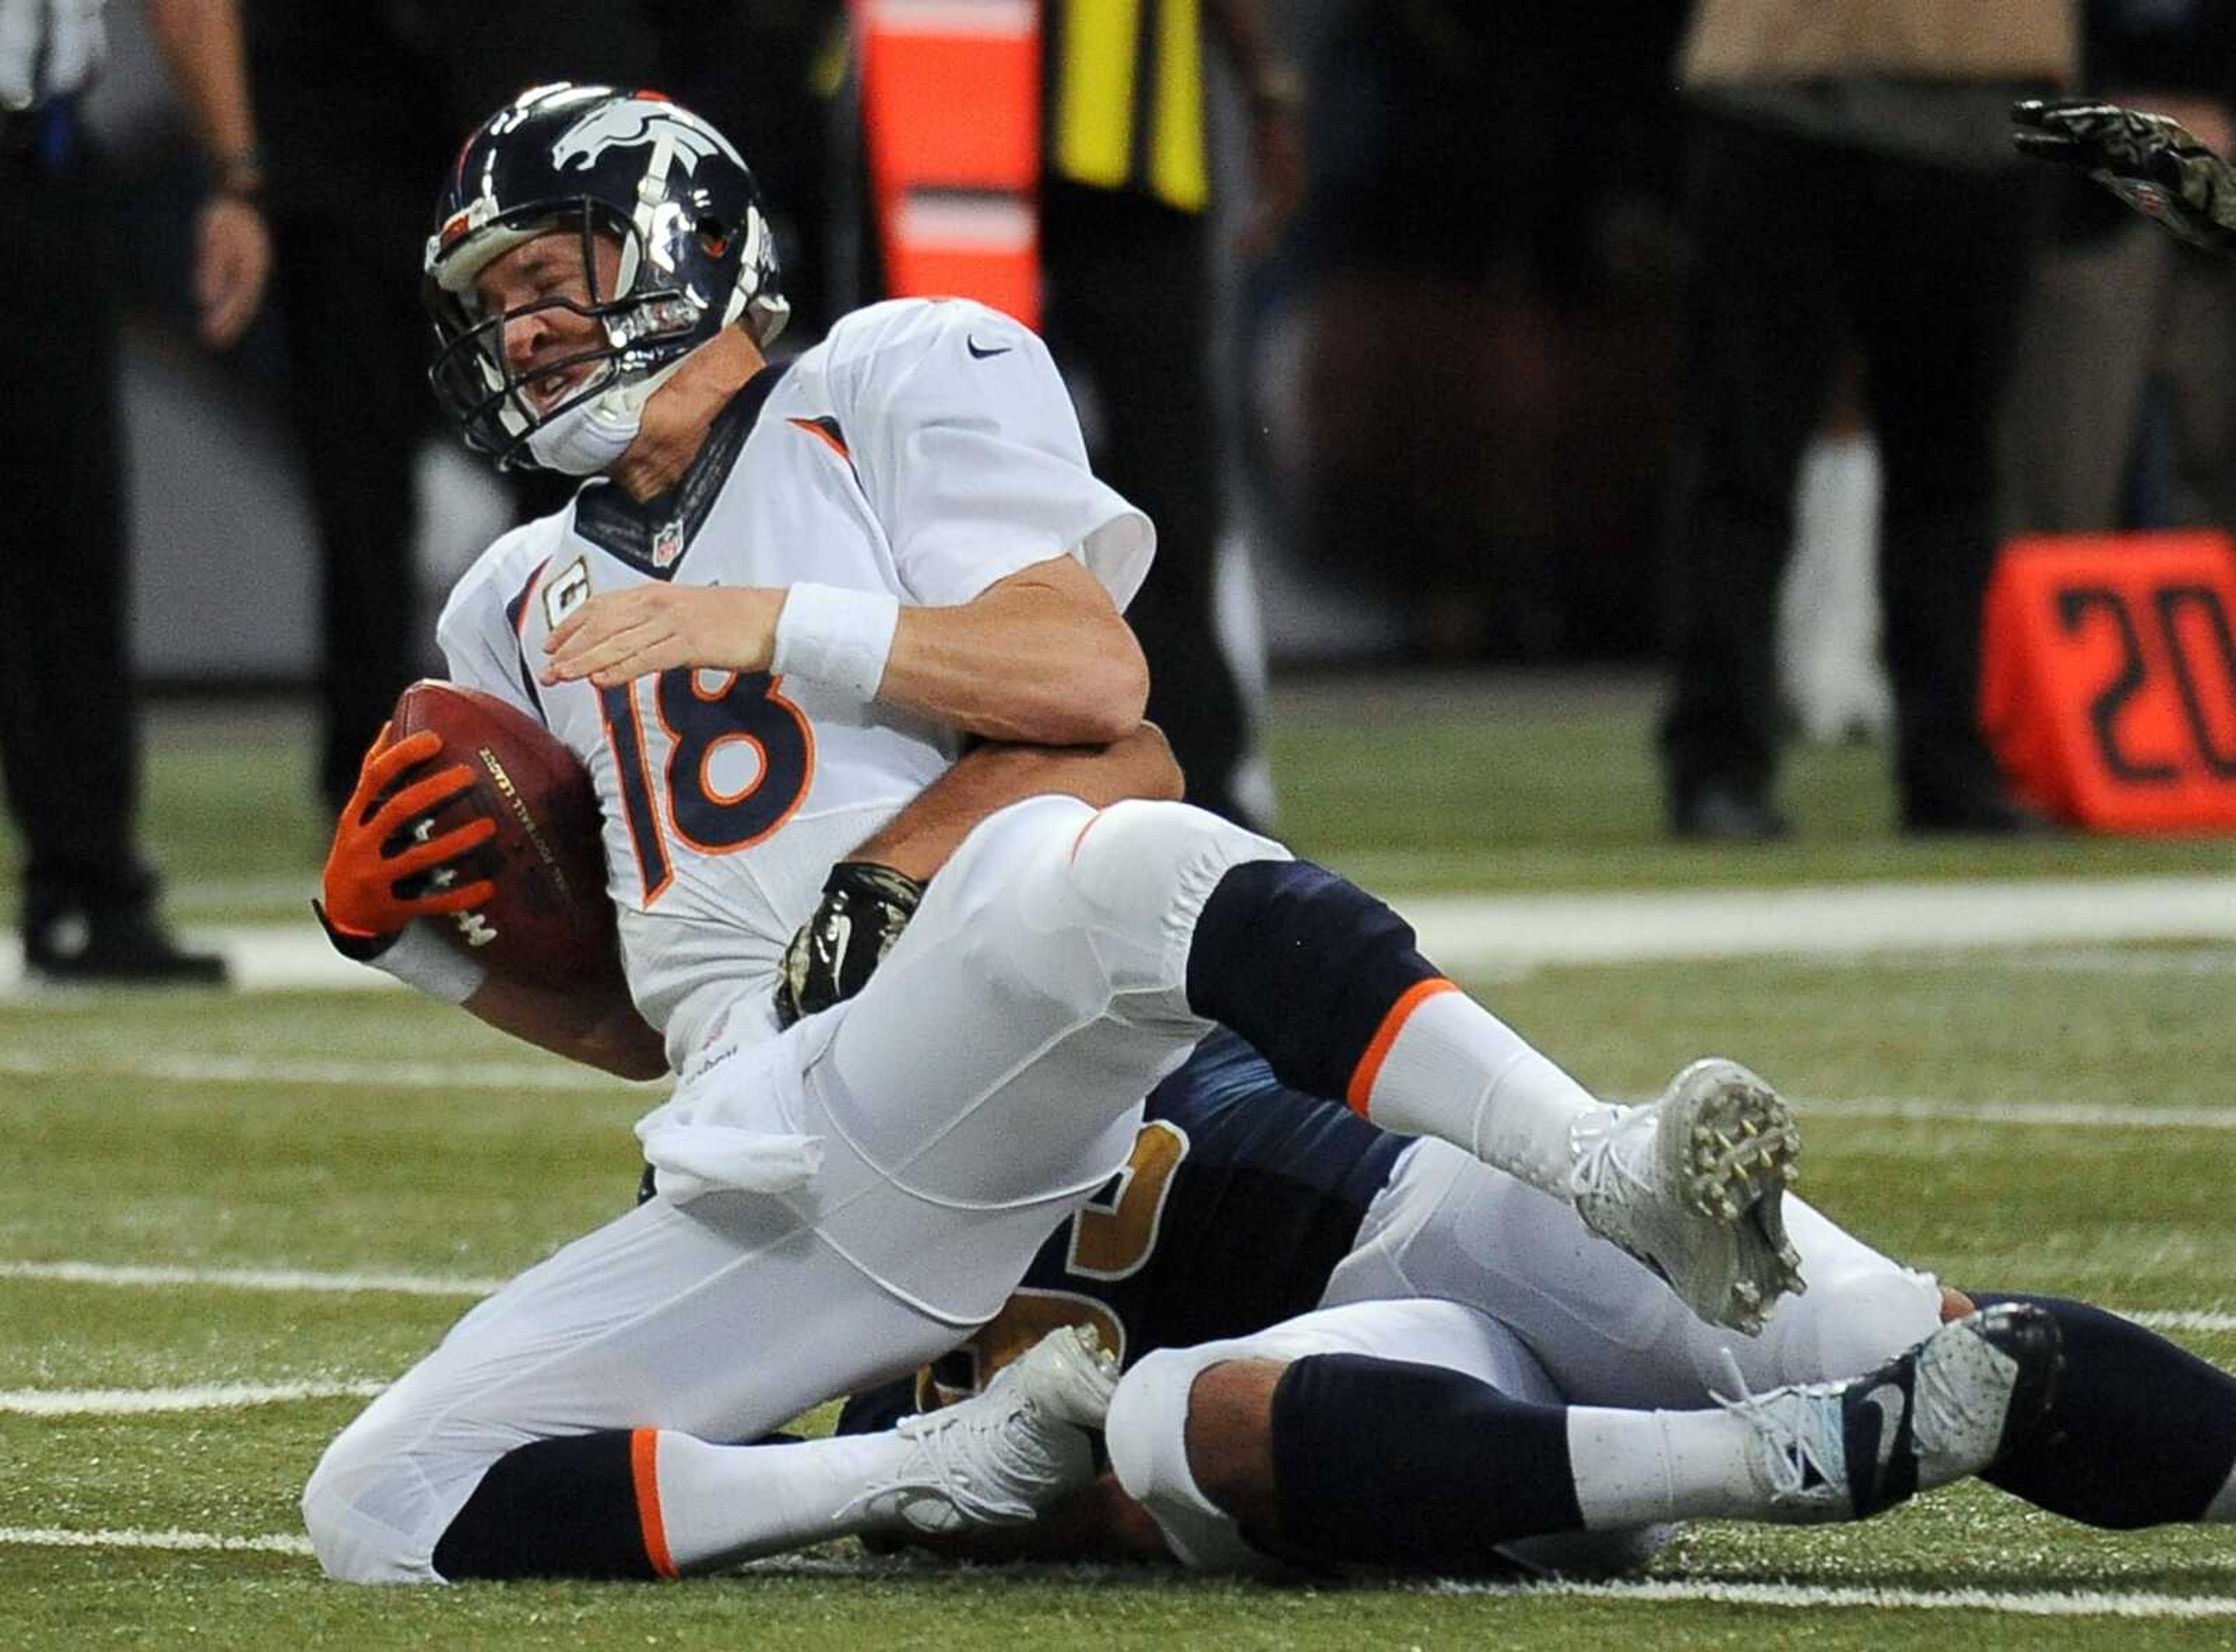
[{"x": 1113, "y": 1237}]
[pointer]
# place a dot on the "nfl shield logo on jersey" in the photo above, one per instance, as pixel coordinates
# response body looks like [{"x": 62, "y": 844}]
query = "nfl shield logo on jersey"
[{"x": 668, "y": 544}]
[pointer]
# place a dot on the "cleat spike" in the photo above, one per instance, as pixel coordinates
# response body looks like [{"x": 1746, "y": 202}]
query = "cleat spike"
[{"x": 1692, "y": 1185}]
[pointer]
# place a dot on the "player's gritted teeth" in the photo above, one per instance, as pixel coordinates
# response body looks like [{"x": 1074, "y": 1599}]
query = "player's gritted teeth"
[{"x": 548, "y": 389}]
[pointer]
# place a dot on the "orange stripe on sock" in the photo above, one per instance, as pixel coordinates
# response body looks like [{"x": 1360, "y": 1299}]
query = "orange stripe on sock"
[
  {"x": 644, "y": 1469},
  {"x": 1377, "y": 1048}
]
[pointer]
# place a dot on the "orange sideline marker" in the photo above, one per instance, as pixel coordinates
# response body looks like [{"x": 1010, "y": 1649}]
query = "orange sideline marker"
[
  {"x": 951, "y": 106},
  {"x": 2108, "y": 679}
]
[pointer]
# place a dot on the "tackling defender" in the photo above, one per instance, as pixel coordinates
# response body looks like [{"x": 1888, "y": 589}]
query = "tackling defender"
[
  {"x": 1346, "y": 1348},
  {"x": 767, "y": 631}
]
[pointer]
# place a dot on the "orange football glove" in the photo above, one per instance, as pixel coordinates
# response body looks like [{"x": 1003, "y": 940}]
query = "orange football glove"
[{"x": 362, "y": 901}]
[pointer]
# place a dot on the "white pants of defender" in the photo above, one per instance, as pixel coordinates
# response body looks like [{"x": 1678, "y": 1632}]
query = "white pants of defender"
[
  {"x": 985, "y": 1083},
  {"x": 1460, "y": 1265}
]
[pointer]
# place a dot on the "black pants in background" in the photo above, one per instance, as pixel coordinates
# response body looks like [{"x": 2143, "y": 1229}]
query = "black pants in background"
[
  {"x": 362, "y": 109},
  {"x": 1806, "y": 249},
  {"x": 70, "y": 737},
  {"x": 1127, "y": 312},
  {"x": 357, "y": 345}
]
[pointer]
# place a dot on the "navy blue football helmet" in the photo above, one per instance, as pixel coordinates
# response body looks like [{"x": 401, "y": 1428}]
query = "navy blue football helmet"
[{"x": 696, "y": 254}]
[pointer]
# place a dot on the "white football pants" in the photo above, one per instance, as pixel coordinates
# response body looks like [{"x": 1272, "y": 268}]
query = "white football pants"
[
  {"x": 1606, "y": 1329},
  {"x": 980, "y": 1088}
]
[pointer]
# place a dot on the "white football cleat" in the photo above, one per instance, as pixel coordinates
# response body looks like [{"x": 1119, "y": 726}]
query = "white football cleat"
[
  {"x": 1000, "y": 1456},
  {"x": 1950, "y": 1407},
  {"x": 1693, "y": 1186}
]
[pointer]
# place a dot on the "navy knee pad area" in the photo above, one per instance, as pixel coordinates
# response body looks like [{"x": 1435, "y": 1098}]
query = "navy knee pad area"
[
  {"x": 555, "y": 1507},
  {"x": 1303, "y": 964}
]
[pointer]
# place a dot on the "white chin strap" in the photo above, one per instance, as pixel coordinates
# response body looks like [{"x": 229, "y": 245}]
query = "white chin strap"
[{"x": 589, "y": 437}]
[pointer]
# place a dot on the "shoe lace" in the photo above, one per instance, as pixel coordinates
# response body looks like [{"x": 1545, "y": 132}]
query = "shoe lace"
[
  {"x": 1794, "y": 1434},
  {"x": 945, "y": 1467},
  {"x": 1600, "y": 1171}
]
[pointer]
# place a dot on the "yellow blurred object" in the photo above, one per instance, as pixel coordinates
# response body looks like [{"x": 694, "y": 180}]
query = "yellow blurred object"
[{"x": 1114, "y": 128}]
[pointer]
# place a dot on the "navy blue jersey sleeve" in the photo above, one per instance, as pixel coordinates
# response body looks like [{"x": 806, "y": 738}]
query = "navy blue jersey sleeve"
[{"x": 1266, "y": 1203}]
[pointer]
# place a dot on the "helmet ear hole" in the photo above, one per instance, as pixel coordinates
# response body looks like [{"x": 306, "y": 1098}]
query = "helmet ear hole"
[{"x": 714, "y": 236}]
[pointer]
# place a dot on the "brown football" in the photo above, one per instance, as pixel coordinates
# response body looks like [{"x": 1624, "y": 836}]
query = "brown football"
[{"x": 550, "y": 923}]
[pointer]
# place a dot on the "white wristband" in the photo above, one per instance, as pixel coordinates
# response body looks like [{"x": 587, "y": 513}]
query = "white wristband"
[
  {"x": 421, "y": 959},
  {"x": 837, "y": 637}
]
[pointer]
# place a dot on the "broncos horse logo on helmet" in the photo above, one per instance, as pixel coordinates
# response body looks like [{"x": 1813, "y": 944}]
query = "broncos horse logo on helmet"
[
  {"x": 625, "y": 125},
  {"x": 696, "y": 254}
]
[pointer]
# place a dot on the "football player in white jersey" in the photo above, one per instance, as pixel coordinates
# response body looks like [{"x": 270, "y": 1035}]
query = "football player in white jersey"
[{"x": 768, "y": 626}]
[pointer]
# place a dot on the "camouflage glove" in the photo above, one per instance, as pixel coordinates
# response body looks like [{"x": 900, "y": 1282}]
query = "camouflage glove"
[
  {"x": 2149, "y": 161},
  {"x": 864, "y": 908}
]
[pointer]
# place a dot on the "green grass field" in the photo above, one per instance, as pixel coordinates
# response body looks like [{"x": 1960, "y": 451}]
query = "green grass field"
[{"x": 231, "y": 1137}]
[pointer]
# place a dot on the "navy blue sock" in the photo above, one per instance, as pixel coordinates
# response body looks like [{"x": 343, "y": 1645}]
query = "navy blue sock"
[
  {"x": 1305, "y": 965},
  {"x": 556, "y": 1507},
  {"x": 2142, "y": 1434},
  {"x": 1385, "y": 1463}
]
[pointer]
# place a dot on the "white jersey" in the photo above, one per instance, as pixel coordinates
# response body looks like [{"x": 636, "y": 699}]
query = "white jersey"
[{"x": 926, "y": 450}]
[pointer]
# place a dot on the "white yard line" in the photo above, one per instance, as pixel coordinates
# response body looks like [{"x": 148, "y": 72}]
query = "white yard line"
[
  {"x": 251, "y": 1278},
  {"x": 138, "y": 1402},
  {"x": 2177, "y": 959},
  {"x": 1772, "y": 1597},
  {"x": 1502, "y": 934},
  {"x": 1810, "y": 1598},
  {"x": 264, "y": 1069},
  {"x": 2068, "y": 1115},
  {"x": 59, "y": 1537},
  {"x": 264, "y": 957},
  {"x": 1462, "y": 933}
]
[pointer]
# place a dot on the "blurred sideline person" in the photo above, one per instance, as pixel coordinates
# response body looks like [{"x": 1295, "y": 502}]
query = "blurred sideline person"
[
  {"x": 784, "y": 600},
  {"x": 69, "y": 727},
  {"x": 1849, "y": 176},
  {"x": 785, "y": 114},
  {"x": 349, "y": 177},
  {"x": 1124, "y": 226},
  {"x": 1343, "y": 1348},
  {"x": 2118, "y": 310}
]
